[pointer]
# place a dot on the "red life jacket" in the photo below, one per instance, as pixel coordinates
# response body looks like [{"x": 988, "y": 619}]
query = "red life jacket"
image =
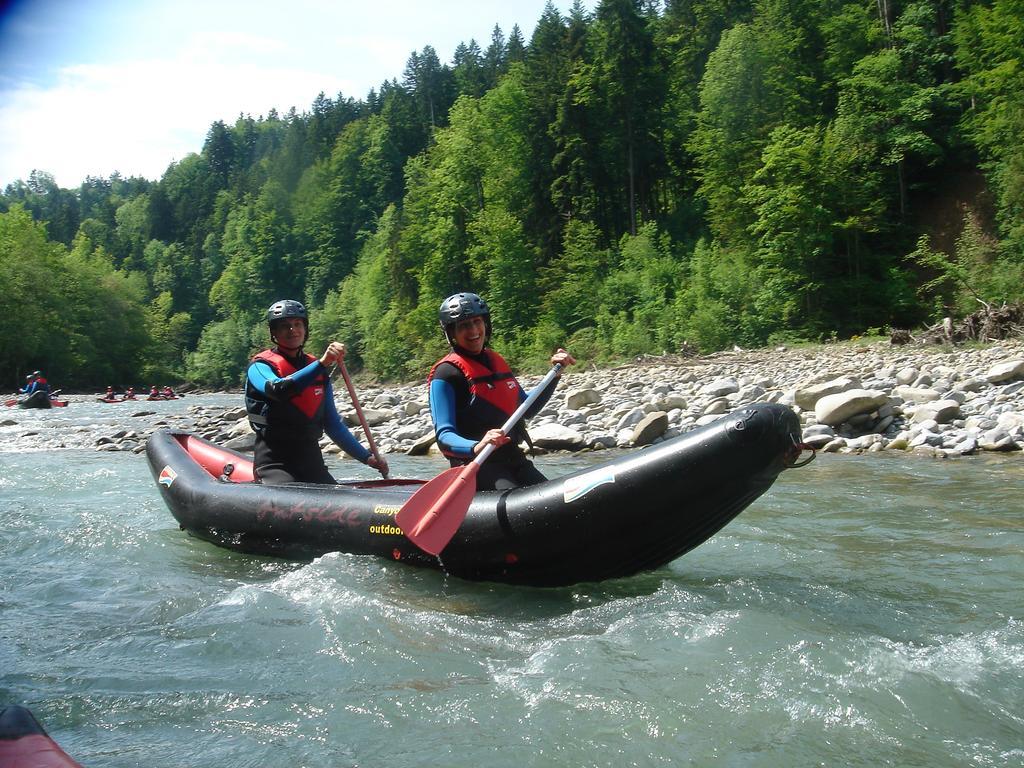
[
  {"x": 493, "y": 397},
  {"x": 301, "y": 413}
]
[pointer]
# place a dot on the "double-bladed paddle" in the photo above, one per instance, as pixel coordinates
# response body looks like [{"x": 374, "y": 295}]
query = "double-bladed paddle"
[
  {"x": 433, "y": 514},
  {"x": 359, "y": 413}
]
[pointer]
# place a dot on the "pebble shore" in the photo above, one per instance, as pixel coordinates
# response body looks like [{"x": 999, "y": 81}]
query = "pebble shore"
[{"x": 850, "y": 397}]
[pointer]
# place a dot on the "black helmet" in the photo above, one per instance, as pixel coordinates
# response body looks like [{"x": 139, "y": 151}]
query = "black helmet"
[
  {"x": 279, "y": 310},
  {"x": 460, "y": 306}
]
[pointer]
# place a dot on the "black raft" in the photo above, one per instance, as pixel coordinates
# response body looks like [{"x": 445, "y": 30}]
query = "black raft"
[{"x": 634, "y": 513}]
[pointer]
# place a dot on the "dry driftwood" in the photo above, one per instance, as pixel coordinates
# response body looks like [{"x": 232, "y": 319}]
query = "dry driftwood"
[{"x": 987, "y": 324}]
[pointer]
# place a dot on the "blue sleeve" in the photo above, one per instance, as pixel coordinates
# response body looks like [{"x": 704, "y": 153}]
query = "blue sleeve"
[
  {"x": 338, "y": 432},
  {"x": 262, "y": 377},
  {"x": 259, "y": 375},
  {"x": 442, "y": 410}
]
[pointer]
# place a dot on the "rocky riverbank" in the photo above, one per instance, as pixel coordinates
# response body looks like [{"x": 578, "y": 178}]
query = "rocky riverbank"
[{"x": 850, "y": 398}]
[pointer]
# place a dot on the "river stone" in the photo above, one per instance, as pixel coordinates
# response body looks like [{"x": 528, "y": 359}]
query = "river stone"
[
  {"x": 1007, "y": 371},
  {"x": 720, "y": 387},
  {"x": 554, "y": 436},
  {"x": 835, "y": 409},
  {"x": 807, "y": 396},
  {"x": 942, "y": 411},
  {"x": 917, "y": 394},
  {"x": 422, "y": 446},
  {"x": 373, "y": 416},
  {"x": 670, "y": 402},
  {"x": 906, "y": 375},
  {"x": 997, "y": 439},
  {"x": 717, "y": 407},
  {"x": 1010, "y": 420},
  {"x": 242, "y": 443},
  {"x": 581, "y": 397},
  {"x": 413, "y": 432},
  {"x": 630, "y": 419},
  {"x": 650, "y": 428},
  {"x": 240, "y": 427}
]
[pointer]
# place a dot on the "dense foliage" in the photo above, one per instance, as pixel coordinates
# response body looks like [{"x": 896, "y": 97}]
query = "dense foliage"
[{"x": 625, "y": 182}]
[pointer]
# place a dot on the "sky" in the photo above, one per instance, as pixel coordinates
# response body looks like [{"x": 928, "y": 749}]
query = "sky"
[{"x": 90, "y": 87}]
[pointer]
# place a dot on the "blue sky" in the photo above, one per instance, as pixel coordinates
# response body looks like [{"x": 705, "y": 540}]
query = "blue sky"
[{"x": 89, "y": 87}]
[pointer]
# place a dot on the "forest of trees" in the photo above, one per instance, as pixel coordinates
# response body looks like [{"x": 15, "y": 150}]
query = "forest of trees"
[{"x": 652, "y": 175}]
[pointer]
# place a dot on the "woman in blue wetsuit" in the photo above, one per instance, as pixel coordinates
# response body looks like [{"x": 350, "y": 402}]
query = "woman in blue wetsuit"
[
  {"x": 473, "y": 392},
  {"x": 290, "y": 403}
]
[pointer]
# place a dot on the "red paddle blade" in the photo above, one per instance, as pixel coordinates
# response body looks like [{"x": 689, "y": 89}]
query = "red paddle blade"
[{"x": 432, "y": 515}]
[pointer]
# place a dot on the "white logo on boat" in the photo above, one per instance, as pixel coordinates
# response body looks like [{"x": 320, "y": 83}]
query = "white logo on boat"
[{"x": 579, "y": 486}]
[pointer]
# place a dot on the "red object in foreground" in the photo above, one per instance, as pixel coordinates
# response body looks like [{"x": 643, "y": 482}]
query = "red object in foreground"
[
  {"x": 434, "y": 513},
  {"x": 24, "y": 743}
]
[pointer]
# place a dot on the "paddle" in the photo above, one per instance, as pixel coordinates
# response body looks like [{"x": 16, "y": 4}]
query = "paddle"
[
  {"x": 433, "y": 514},
  {"x": 359, "y": 413}
]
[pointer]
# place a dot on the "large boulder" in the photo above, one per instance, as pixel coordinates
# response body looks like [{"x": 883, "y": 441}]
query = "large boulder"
[
  {"x": 554, "y": 436},
  {"x": 807, "y": 396},
  {"x": 1007, "y": 371},
  {"x": 581, "y": 397},
  {"x": 651, "y": 427},
  {"x": 835, "y": 409}
]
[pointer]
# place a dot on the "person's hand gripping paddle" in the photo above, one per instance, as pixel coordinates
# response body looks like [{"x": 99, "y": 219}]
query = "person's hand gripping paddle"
[{"x": 433, "y": 514}]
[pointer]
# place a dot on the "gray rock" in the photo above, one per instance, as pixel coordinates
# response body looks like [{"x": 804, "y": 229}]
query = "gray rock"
[
  {"x": 808, "y": 396},
  {"x": 554, "y": 436},
  {"x": 720, "y": 387},
  {"x": 835, "y": 409},
  {"x": 1006, "y": 371},
  {"x": 581, "y": 397},
  {"x": 651, "y": 427}
]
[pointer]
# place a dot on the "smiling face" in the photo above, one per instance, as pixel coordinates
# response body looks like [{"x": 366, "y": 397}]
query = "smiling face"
[
  {"x": 470, "y": 334},
  {"x": 289, "y": 333}
]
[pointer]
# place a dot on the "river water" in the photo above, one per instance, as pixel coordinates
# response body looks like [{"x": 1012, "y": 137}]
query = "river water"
[{"x": 865, "y": 611}]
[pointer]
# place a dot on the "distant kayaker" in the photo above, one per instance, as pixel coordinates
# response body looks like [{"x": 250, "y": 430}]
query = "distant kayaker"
[
  {"x": 473, "y": 392},
  {"x": 290, "y": 402}
]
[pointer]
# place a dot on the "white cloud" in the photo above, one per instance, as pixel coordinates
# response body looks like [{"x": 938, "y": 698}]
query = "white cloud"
[
  {"x": 161, "y": 72},
  {"x": 145, "y": 113}
]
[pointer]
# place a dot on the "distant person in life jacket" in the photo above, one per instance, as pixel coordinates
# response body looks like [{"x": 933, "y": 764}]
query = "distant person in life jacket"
[
  {"x": 35, "y": 382},
  {"x": 473, "y": 392},
  {"x": 290, "y": 402}
]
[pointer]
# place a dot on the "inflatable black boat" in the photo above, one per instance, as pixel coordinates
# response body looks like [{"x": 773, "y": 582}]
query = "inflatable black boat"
[
  {"x": 38, "y": 399},
  {"x": 631, "y": 514}
]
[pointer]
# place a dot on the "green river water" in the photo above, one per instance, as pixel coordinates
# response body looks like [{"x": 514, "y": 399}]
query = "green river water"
[{"x": 865, "y": 611}]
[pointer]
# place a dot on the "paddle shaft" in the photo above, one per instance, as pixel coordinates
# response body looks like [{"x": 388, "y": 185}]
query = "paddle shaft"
[
  {"x": 518, "y": 414},
  {"x": 359, "y": 412}
]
